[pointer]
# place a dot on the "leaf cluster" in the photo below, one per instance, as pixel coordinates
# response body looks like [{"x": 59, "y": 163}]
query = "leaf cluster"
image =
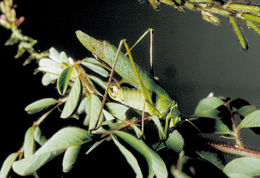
[
  {"x": 80, "y": 99},
  {"x": 215, "y": 127},
  {"x": 9, "y": 20},
  {"x": 210, "y": 10}
]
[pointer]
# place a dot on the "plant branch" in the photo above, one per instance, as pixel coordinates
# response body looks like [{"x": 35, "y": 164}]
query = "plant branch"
[
  {"x": 9, "y": 21},
  {"x": 235, "y": 150},
  {"x": 210, "y": 9},
  {"x": 235, "y": 131}
]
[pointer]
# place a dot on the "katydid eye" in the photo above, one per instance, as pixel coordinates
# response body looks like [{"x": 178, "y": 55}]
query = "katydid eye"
[{"x": 113, "y": 90}]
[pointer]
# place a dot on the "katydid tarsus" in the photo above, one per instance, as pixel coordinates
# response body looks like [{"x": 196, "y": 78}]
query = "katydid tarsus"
[{"x": 147, "y": 92}]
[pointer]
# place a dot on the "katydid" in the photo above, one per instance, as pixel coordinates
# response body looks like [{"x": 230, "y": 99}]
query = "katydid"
[{"x": 146, "y": 93}]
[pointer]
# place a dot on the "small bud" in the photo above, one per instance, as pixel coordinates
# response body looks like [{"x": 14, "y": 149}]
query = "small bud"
[
  {"x": 2, "y": 7},
  {"x": 155, "y": 4},
  {"x": 207, "y": 16},
  {"x": 211, "y": 94},
  {"x": 12, "y": 15},
  {"x": 19, "y": 21},
  {"x": 9, "y": 2},
  {"x": 4, "y": 22}
]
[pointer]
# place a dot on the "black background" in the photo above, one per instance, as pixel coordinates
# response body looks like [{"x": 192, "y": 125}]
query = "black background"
[{"x": 191, "y": 57}]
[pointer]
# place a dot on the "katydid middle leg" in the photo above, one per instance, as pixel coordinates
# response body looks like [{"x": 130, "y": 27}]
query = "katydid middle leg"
[{"x": 150, "y": 32}]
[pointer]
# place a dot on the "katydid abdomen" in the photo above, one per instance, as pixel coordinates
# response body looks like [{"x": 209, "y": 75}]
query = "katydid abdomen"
[{"x": 107, "y": 52}]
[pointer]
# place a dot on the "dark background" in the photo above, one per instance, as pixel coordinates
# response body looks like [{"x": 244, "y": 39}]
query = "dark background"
[{"x": 191, "y": 57}]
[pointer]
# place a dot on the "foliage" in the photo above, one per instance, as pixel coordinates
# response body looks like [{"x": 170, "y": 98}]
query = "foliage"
[
  {"x": 211, "y": 9},
  {"x": 203, "y": 138}
]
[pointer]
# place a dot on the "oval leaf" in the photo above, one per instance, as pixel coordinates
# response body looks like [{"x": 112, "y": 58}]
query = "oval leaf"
[
  {"x": 58, "y": 143},
  {"x": 129, "y": 157},
  {"x": 63, "y": 80},
  {"x": 107, "y": 115},
  {"x": 98, "y": 81},
  {"x": 40, "y": 105},
  {"x": 73, "y": 100},
  {"x": 94, "y": 109},
  {"x": 70, "y": 157},
  {"x": 175, "y": 141},
  {"x": 38, "y": 137},
  {"x": 211, "y": 157},
  {"x": 221, "y": 128},
  {"x": 117, "y": 110},
  {"x": 207, "y": 107},
  {"x": 48, "y": 78},
  {"x": 95, "y": 145},
  {"x": 249, "y": 166},
  {"x": 7, "y": 165},
  {"x": 29, "y": 144},
  {"x": 158, "y": 124},
  {"x": 245, "y": 110},
  {"x": 96, "y": 68},
  {"x": 155, "y": 163},
  {"x": 251, "y": 120},
  {"x": 82, "y": 105}
]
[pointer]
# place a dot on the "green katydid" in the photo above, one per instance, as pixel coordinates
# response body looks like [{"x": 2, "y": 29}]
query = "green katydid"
[{"x": 146, "y": 92}]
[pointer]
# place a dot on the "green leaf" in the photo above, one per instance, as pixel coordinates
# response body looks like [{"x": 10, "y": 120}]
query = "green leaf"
[
  {"x": 94, "y": 109},
  {"x": 245, "y": 110},
  {"x": 40, "y": 105},
  {"x": 158, "y": 124},
  {"x": 96, "y": 68},
  {"x": 95, "y": 145},
  {"x": 58, "y": 143},
  {"x": 251, "y": 120},
  {"x": 237, "y": 175},
  {"x": 29, "y": 144},
  {"x": 175, "y": 141},
  {"x": 238, "y": 32},
  {"x": 70, "y": 157},
  {"x": 50, "y": 66},
  {"x": 254, "y": 26},
  {"x": 179, "y": 174},
  {"x": 47, "y": 78},
  {"x": 63, "y": 80},
  {"x": 137, "y": 131},
  {"x": 207, "y": 107},
  {"x": 73, "y": 100},
  {"x": 252, "y": 18},
  {"x": 38, "y": 137},
  {"x": 12, "y": 40},
  {"x": 107, "y": 115},
  {"x": 91, "y": 60},
  {"x": 98, "y": 81},
  {"x": 117, "y": 110},
  {"x": 249, "y": 166},
  {"x": 20, "y": 50},
  {"x": 211, "y": 157},
  {"x": 221, "y": 128},
  {"x": 7, "y": 165},
  {"x": 155, "y": 163},
  {"x": 82, "y": 105},
  {"x": 130, "y": 158},
  {"x": 243, "y": 7}
]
